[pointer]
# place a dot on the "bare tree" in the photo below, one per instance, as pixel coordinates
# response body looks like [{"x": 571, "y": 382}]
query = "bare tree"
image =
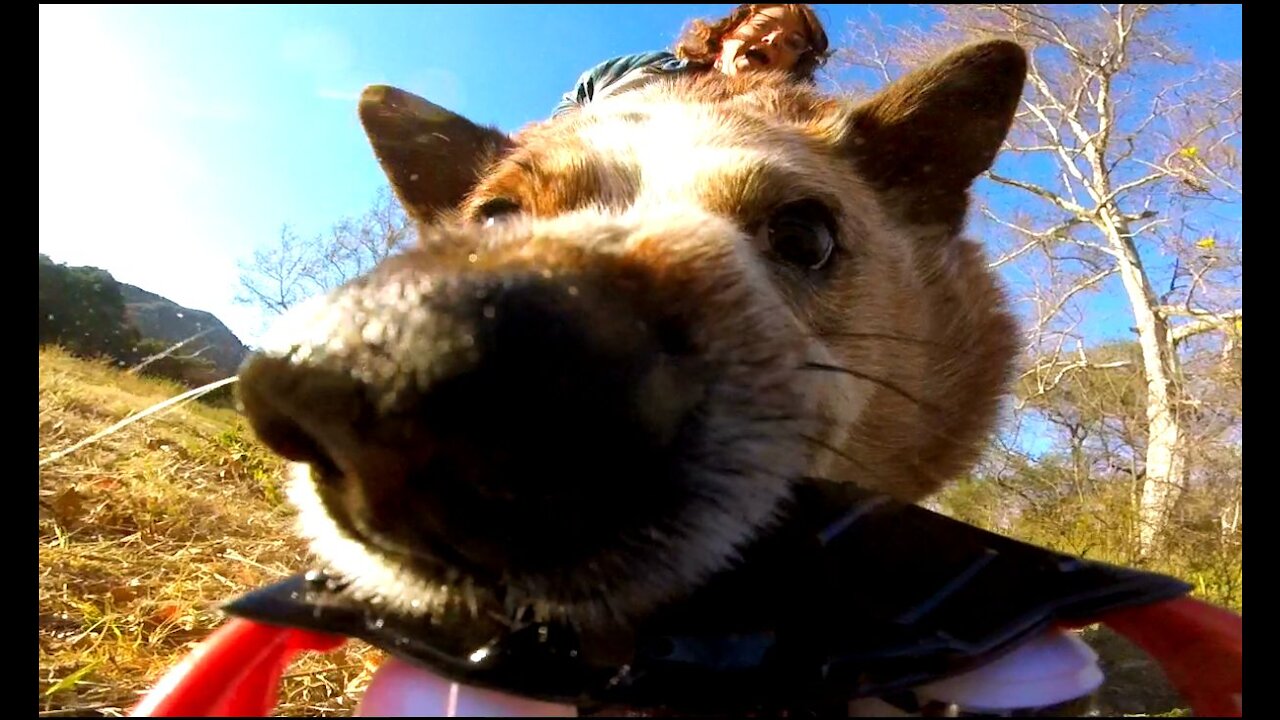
[
  {"x": 1122, "y": 180},
  {"x": 292, "y": 270}
]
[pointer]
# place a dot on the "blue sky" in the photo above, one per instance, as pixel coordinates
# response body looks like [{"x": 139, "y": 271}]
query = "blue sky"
[{"x": 175, "y": 139}]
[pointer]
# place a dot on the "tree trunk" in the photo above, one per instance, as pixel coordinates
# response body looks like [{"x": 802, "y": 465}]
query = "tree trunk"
[{"x": 1165, "y": 466}]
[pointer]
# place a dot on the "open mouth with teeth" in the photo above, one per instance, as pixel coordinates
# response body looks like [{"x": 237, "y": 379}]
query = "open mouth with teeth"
[{"x": 757, "y": 57}]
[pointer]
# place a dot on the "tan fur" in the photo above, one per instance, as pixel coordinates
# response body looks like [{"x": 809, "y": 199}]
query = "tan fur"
[
  {"x": 659, "y": 196},
  {"x": 954, "y": 340}
]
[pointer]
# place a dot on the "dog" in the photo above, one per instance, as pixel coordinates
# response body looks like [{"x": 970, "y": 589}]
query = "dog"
[{"x": 626, "y": 333}]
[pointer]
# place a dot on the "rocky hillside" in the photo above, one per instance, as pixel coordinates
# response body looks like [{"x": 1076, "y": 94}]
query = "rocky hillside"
[{"x": 161, "y": 318}]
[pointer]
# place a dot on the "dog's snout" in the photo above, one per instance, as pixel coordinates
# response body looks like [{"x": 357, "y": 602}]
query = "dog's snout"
[{"x": 509, "y": 415}]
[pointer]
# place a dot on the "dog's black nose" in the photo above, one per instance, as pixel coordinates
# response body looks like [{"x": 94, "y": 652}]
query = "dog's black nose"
[{"x": 512, "y": 417}]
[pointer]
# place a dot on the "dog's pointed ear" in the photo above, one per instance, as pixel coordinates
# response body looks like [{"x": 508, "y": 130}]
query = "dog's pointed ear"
[
  {"x": 432, "y": 157},
  {"x": 924, "y": 139}
]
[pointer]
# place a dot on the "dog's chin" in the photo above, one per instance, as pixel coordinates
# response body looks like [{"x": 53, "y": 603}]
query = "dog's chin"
[
  {"x": 616, "y": 580},
  {"x": 418, "y": 557},
  {"x": 408, "y": 567},
  {"x": 427, "y": 558}
]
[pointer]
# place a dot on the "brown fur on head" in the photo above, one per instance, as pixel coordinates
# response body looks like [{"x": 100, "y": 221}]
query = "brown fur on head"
[{"x": 628, "y": 330}]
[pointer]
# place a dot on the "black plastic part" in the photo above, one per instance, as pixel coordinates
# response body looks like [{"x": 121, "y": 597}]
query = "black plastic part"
[{"x": 850, "y": 595}]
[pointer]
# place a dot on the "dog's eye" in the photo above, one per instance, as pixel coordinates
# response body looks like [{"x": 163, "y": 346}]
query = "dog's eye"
[
  {"x": 497, "y": 209},
  {"x": 801, "y": 233}
]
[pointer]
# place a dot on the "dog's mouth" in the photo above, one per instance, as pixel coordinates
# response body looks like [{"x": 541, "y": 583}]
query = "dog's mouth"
[
  {"x": 453, "y": 534},
  {"x": 423, "y": 552},
  {"x": 441, "y": 526}
]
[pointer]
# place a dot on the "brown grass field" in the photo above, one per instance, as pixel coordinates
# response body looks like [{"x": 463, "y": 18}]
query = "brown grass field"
[{"x": 145, "y": 532}]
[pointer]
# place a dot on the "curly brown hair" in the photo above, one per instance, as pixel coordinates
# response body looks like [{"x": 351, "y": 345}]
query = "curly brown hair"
[{"x": 700, "y": 42}]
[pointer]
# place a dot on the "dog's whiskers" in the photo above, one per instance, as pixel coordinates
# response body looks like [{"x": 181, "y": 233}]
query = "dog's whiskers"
[
  {"x": 872, "y": 379},
  {"x": 837, "y": 452},
  {"x": 890, "y": 337}
]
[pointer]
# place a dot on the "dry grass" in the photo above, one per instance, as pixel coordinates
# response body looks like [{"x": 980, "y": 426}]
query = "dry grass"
[{"x": 145, "y": 532}]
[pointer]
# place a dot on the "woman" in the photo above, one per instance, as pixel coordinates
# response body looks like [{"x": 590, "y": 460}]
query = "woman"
[{"x": 752, "y": 37}]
